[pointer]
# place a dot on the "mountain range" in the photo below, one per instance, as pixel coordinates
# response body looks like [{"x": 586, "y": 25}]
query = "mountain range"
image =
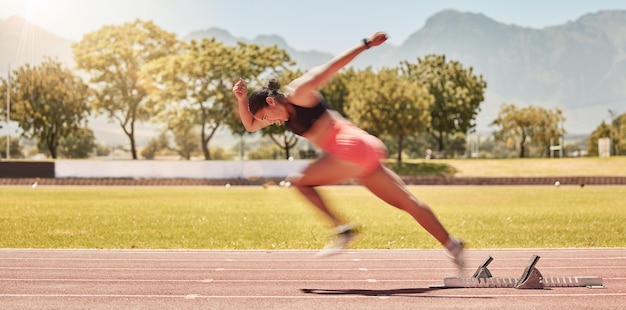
[{"x": 579, "y": 66}]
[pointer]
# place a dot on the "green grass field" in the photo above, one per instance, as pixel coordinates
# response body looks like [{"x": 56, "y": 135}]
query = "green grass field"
[{"x": 277, "y": 218}]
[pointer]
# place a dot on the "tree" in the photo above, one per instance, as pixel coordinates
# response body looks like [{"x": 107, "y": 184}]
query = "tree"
[
  {"x": 283, "y": 138},
  {"x": 48, "y": 102},
  {"x": 188, "y": 84},
  {"x": 154, "y": 146},
  {"x": 621, "y": 150},
  {"x": 619, "y": 134},
  {"x": 266, "y": 151},
  {"x": 387, "y": 102},
  {"x": 114, "y": 57},
  {"x": 457, "y": 93},
  {"x": 337, "y": 90},
  {"x": 79, "y": 143},
  {"x": 14, "y": 145},
  {"x": 602, "y": 131},
  {"x": 185, "y": 136},
  {"x": 199, "y": 78},
  {"x": 519, "y": 126}
]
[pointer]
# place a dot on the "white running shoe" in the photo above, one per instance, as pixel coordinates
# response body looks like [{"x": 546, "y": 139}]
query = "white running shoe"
[
  {"x": 456, "y": 253},
  {"x": 343, "y": 235}
]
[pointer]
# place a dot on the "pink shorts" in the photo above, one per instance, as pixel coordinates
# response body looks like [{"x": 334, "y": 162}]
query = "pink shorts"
[{"x": 350, "y": 143}]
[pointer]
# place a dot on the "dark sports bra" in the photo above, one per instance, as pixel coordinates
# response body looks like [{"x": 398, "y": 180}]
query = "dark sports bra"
[{"x": 305, "y": 117}]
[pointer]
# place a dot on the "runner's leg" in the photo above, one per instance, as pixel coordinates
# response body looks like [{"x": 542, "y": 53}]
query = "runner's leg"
[
  {"x": 390, "y": 188},
  {"x": 325, "y": 171}
]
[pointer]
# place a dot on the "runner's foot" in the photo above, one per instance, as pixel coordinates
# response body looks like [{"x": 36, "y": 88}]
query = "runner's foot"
[
  {"x": 343, "y": 235},
  {"x": 455, "y": 250}
]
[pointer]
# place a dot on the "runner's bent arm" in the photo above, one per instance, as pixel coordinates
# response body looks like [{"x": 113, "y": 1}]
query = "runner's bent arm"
[{"x": 247, "y": 119}]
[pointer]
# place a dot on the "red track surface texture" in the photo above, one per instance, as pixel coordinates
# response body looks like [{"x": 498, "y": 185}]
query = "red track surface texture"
[{"x": 360, "y": 279}]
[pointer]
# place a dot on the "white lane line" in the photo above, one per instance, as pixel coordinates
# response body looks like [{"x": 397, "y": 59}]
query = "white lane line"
[
  {"x": 300, "y": 251},
  {"x": 216, "y": 281},
  {"x": 303, "y": 260},
  {"x": 289, "y": 269},
  {"x": 195, "y": 296},
  {"x": 230, "y": 269},
  {"x": 313, "y": 296},
  {"x": 238, "y": 280}
]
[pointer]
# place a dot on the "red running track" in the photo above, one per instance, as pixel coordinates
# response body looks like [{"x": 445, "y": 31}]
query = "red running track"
[{"x": 355, "y": 279}]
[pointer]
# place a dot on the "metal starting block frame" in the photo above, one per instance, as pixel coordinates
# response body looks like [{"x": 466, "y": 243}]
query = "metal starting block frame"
[{"x": 530, "y": 279}]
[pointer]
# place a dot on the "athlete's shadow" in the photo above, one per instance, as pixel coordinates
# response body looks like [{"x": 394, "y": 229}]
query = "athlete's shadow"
[
  {"x": 393, "y": 292},
  {"x": 404, "y": 292}
]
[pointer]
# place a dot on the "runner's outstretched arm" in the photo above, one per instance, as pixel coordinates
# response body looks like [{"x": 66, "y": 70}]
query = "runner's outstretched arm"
[{"x": 302, "y": 90}]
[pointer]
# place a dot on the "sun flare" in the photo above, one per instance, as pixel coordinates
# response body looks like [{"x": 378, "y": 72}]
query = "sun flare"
[{"x": 38, "y": 10}]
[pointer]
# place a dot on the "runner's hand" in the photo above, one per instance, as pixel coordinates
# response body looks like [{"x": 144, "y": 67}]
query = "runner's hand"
[
  {"x": 240, "y": 89},
  {"x": 377, "y": 38}
]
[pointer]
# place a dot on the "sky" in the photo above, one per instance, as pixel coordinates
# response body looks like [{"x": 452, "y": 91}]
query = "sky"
[{"x": 323, "y": 25}]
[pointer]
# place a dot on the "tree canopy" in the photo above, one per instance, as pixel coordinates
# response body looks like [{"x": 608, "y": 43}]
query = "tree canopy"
[
  {"x": 520, "y": 126},
  {"x": 457, "y": 93},
  {"x": 48, "y": 102},
  {"x": 196, "y": 83},
  {"x": 114, "y": 56},
  {"x": 387, "y": 102}
]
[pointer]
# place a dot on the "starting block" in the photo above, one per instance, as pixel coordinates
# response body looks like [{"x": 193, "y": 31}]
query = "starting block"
[{"x": 530, "y": 279}]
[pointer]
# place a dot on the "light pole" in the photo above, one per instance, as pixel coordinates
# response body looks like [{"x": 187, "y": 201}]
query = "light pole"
[{"x": 8, "y": 112}]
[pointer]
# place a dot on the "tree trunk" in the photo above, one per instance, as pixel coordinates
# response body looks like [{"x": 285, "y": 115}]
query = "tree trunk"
[
  {"x": 131, "y": 137},
  {"x": 440, "y": 142},
  {"x": 287, "y": 147},
  {"x": 205, "y": 151},
  {"x": 400, "y": 148},
  {"x": 204, "y": 145},
  {"x": 133, "y": 147},
  {"x": 52, "y": 148}
]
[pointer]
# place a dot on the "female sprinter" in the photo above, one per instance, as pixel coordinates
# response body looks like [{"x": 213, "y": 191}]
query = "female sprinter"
[{"x": 350, "y": 153}]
